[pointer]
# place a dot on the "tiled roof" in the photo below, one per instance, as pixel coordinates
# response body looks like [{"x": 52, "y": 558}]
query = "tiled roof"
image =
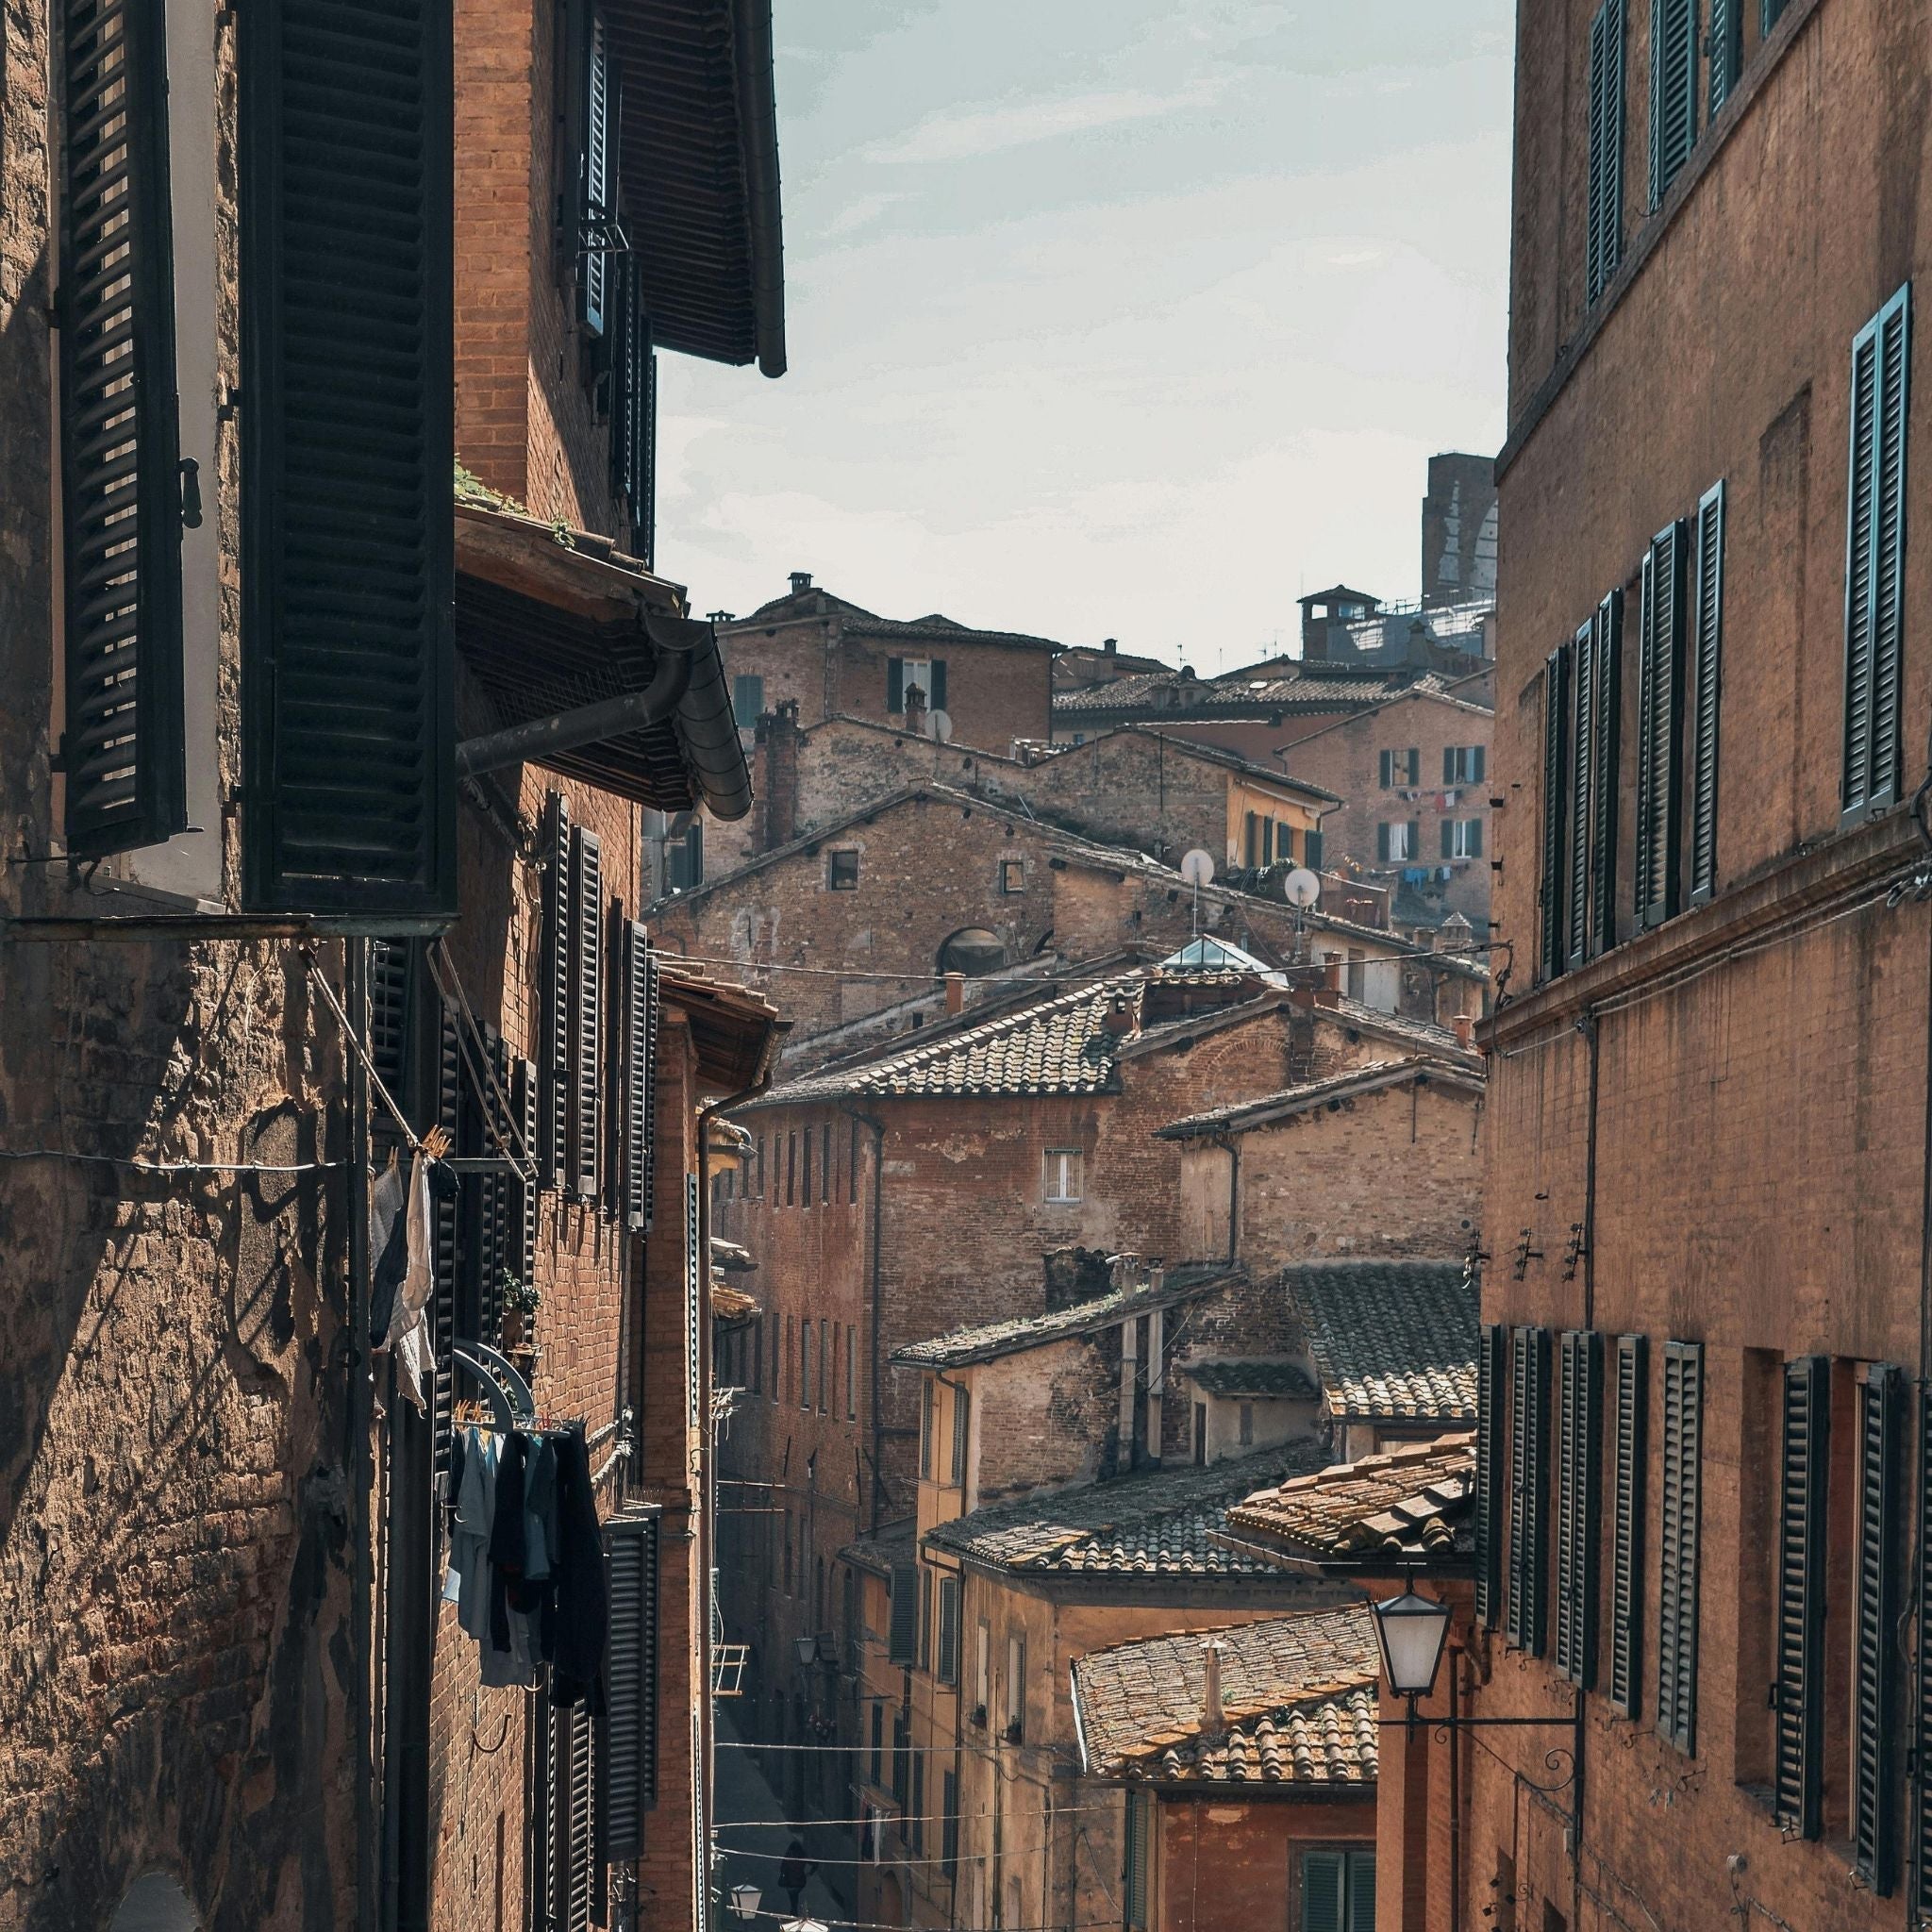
[
  {"x": 1297, "y": 1698},
  {"x": 1394, "y": 1340},
  {"x": 1313, "y": 1095},
  {"x": 1128, "y": 692},
  {"x": 1267, "y": 1380},
  {"x": 1436, "y": 1040},
  {"x": 880, "y": 1554},
  {"x": 1159, "y": 1525},
  {"x": 731, "y": 1303},
  {"x": 994, "y": 1338},
  {"x": 1411, "y": 1503}
]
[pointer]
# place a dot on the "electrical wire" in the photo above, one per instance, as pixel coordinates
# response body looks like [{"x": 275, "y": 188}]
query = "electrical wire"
[{"x": 140, "y": 1165}]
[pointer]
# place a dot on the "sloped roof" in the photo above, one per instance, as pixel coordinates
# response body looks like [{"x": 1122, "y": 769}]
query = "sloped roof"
[
  {"x": 1297, "y": 1693},
  {"x": 1410, "y": 1504},
  {"x": 1393, "y": 1340},
  {"x": 991, "y": 1339},
  {"x": 814, "y": 600},
  {"x": 896, "y": 1545},
  {"x": 1157, "y": 1524},
  {"x": 1315, "y": 1096},
  {"x": 1267, "y": 1380}
]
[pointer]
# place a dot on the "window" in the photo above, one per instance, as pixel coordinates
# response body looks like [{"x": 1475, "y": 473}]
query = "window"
[
  {"x": 747, "y": 700},
  {"x": 684, "y": 858},
  {"x": 758, "y": 1357},
  {"x": 788, "y": 1553},
  {"x": 1726, "y": 48},
  {"x": 777, "y": 1362},
  {"x": 903, "y": 1634},
  {"x": 1200, "y": 1434},
  {"x": 1875, "y": 557},
  {"x": 1397, "y": 843},
  {"x": 851, "y": 1371},
  {"x": 825, "y": 1163},
  {"x": 1704, "y": 683},
  {"x": 1247, "y": 1426},
  {"x": 1016, "y": 1688},
  {"x": 1605, "y": 224},
  {"x": 1311, "y": 850},
  {"x": 805, "y": 1193},
  {"x": 949, "y": 1630},
  {"x": 961, "y": 1412},
  {"x": 924, "y": 1618},
  {"x": 1062, "y": 1173},
  {"x": 1338, "y": 1890},
  {"x": 1673, "y": 91},
  {"x": 1462, "y": 764},
  {"x": 837, "y": 1331},
  {"x": 926, "y": 676},
  {"x": 1401, "y": 767},
  {"x": 1529, "y": 1413},
  {"x": 1462, "y": 838},
  {"x": 1659, "y": 702},
  {"x": 1875, "y": 1696},
  {"x": 1012, "y": 875},
  {"x": 1590, "y": 865},
  {"x": 791, "y": 1170},
  {"x": 852, "y": 1168},
  {"x": 1678, "y": 1526},
  {"x": 1491, "y": 1374},
  {"x": 842, "y": 871},
  {"x": 982, "y": 1671},
  {"x": 926, "y": 1403},
  {"x": 1630, "y": 1437},
  {"x": 1580, "y": 1433},
  {"x": 1136, "y": 1829},
  {"x": 901, "y": 1758},
  {"x": 805, "y": 1362},
  {"x": 1803, "y": 1558},
  {"x": 915, "y": 1835},
  {"x": 822, "y": 1367}
]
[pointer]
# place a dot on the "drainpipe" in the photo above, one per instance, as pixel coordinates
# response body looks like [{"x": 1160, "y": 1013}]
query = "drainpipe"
[
  {"x": 1229, "y": 1146},
  {"x": 878, "y": 1187}
]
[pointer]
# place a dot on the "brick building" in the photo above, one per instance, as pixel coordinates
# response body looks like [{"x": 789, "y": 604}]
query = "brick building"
[
  {"x": 1707, "y": 1117},
  {"x": 267, "y": 932}
]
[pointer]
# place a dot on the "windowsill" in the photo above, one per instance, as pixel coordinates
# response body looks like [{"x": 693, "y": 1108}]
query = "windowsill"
[{"x": 1649, "y": 236}]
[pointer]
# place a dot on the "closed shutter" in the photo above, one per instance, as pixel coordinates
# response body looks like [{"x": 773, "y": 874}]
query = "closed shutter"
[
  {"x": 924, "y": 1618},
  {"x": 1387, "y": 765},
  {"x": 599, "y": 179},
  {"x": 1727, "y": 50},
  {"x": 1673, "y": 91},
  {"x": 903, "y": 1636},
  {"x": 1529, "y": 1408},
  {"x": 949, "y": 1823},
  {"x": 556, "y": 1033},
  {"x": 1556, "y": 765},
  {"x": 949, "y": 1630},
  {"x": 962, "y": 1410},
  {"x": 1448, "y": 837},
  {"x": 123, "y": 751},
  {"x": 1803, "y": 1474},
  {"x": 571, "y": 1817},
  {"x": 1606, "y": 765},
  {"x": 1325, "y": 1878},
  {"x": 389, "y": 1037},
  {"x": 1578, "y": 1484},
  {"x": 1605, "y": 224},
  {"x": 1311, "y": 846},
  {"x": 540, "y": 1879},
  {"x": 1577, "y": 800},
  {"x": 1679, "y": 1526},
  {"x": 1412, "y": 844},
  {"x": 1630, "y": 1439},
  {"x": 1382, "y": 842},
  {"x": 1875, "y": 558},
  {"x": 939, "y": 684},
  {"x": 1136, "y": 1829},
  {"x": 895, "y": 684},
  {"x": 526, "y": 1192},
  {"x": 1703, "y": 681},
  {"x": 587, "y": 1007},
  {"x": 1659, "y": 700},
  {"x": 915, "y": 1836},
  {"x": 1922, "y": 1690},
  {"x": 452, "y": 1254},
  {"x": 490, "y": 1202},
  {"x": 641, "y": 435},
  {"x": 629, "y": 1787},
  {"x": 1874, "y": 1725},
  {"x": 347, "y": 669},
  {"x": 1492, "y": 1379},
  {"x": 639, "y": 1048}
]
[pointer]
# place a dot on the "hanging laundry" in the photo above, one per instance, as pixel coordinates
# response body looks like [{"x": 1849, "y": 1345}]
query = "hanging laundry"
[
  {"x": 408, "y": 1330},
  {"x": 579, "y": 1627}
]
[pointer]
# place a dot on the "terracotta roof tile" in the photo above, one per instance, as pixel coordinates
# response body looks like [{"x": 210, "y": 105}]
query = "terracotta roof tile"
[
  {"x": 1413, "y": 1501},
  {"x": 1393, "y": 1340}
]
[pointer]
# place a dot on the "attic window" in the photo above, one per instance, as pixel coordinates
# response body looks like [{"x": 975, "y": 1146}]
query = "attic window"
[
  {"x": 972, "y": 950},
  {"x": 841, "y": 870},
  {"x": 1012, "y": 875}
]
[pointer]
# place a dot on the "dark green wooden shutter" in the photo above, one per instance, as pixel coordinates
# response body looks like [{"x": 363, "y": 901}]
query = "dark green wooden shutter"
[
  {"x": 1605, "y": 222},
  {"x": 554, "y": 1043},
  {"x": 1324, "y": 1883},
  {"x": 1874, "y": 1698},
  {"x": 1529, "y": 1410},
  {"x": 1727, "y": 50},
  {"x": 1659, "y": 704},
  {"x": 939, "y": 684},
  {"x": 528, "y": 1191},
  {"x": 1704, "y": 683},
  {"x": 1312, "y": 847},
  {"x": 949, "y": 1630},
  {"x": 599, "y": 179},
  {"x": 452, "y": 1253},
  {"x": 121, "y": 750},
  {"x": 1922, "y": 1673},
  {"x": 1630, "y": 1439},
  {"x": 348, "y": 773},
  {"x": 1875, "y": 558},
  {"x": 1770, "y": 12},
  {"x": 639, "y": 1048},
  {"x": 571, "y": 1814},
  {"x": 1136, "y": 1829},
  {"x": 895, "y": 684},
  {"x": 1387, "y": 765},
  {"x": 1606, "y": 768},
  {"x": 1673, "y": 91},
  {"x": 1382, "y": 842},
  {"x": 949, "y": 1823},
  {"x": 587, "y": 1007},
  {"x": 1804, "y": 1482},
  {"x": 1556, "y": 810},
  {"x": 1583, "y": 669},
  {"x": 1491, "y": 1381},
  {"x": 903, "y": 1635},
  {"x": 1578, "y": 1485},
  {"x": 962, "y": 1410},
  {"x": 389, "y": 1037},
  {"x": 1362, "y": 1891},
  {"x": 1679, "y": 1519},
  {"x": 629, "y": 1785}
]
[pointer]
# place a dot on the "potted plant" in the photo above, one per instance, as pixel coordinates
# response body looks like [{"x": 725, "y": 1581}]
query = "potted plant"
[{"x": 520, "y": 1304}]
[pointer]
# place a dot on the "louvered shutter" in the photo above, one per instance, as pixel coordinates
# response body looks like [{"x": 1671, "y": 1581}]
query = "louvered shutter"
[
  {"x": 1604, "y": 220},
  {"x": 1673, "y": 91},
  {"x": 1362, "y": 1891},
  {"x": 1606, "y": 767},
  {"x": 1679, "y": 1526},
  {"x": 1659, "y": 700},
  {"x": 123, "y": 750},
  {"x": 895, "y": 685},
  {"x": 347, "y": 670},
  {"x": 962, "y": 1410},
  {"x": 1311, "y": 847},
  {"x": 1875, "y": 1717},
  {"x": 599, "y": 179},
  {"x": 1324, "y": 1877},
  {"x": 1804, "y": 1474},
  {"x": 643, "y": 437},
  {"x": 629, "y": 1787},
  {"x": 389, "y": 1037},
  {"x": 489, "y": 1199},
  {"x": 938, "y": 674},
  {"x": 450, "y": 1257},
  {"x": 1582, "y": 742},
  {"x": 903, "y": 1635},
  {"x": 1703, "y": 683},
  {"x": 1875, "y": 557},
  {"x": 1727, "y": 50},
  {"x": 587, "y": 1007},
  {"x": 1630, "y": 1438},
  {"x": 571, "y": 1809},
  {"x": 1555, "y": 820},
  {"x": 639, "y": 1049},
  {"x": 1530, "y": 1369},
  {"x": 1491, "y": 1381},
  {"x": 1922, "y": 1690},
  {"x": 541, "y": 1880},
  {"x": 1388, "y": 774},
  {"x": 557, "y": 1031},
  {"x": 1382, "y": 842},
  {"x": 526, "y": 1192},
  {"x": 949, "y": 1630},
  {"x": 1578, "y": 1483},
  {"x": 1135, "y": 1831}
]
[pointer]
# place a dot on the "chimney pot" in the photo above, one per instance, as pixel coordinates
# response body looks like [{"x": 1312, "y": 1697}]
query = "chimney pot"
[
  {"x": 1463, "y": 1026},
  {"x": 717, "y": 617},
  {"x": 956, "y": 992},
  {"x": 1110, "y": 645},
  {"x": 801, "y": 580},
  {"x": 1327, "y": 996},
  {"x": 1213, "y": 1717}
]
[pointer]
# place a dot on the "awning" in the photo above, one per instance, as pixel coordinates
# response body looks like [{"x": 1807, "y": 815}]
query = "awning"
[{"x": 551, "y": 624}]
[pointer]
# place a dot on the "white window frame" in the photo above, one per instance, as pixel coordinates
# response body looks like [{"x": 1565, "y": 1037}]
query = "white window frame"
[
  {"x": 1459, "y": 838},
  {"x": 1399, "y": 853},
  {"x": 1064, "y": 1169}
]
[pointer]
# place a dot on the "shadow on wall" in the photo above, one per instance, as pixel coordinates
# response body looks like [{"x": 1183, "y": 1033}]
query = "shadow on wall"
[{"x": 155, "y": 1903}]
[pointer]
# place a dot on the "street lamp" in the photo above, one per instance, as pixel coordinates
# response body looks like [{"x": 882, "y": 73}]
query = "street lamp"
[
  {"x": 807, "y": 1649},
  {"x": 1411, "y": 1630},
  {"x": 802, "y": 1925},
  {"x": 744, "y": 1902}
]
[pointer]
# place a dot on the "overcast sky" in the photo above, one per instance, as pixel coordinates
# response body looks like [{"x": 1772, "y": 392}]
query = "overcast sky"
[{"x": 1133, "y": 319}]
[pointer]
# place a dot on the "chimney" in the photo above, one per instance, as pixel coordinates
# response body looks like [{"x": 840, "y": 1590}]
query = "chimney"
[
  {"x": 801, "y": 580},
  {"x": 956, "y": 992},
  {"x": 1331, "y": 979},
  {"x": 1118, "y": 1020},
  {"x": 915, "y": 710},
  {"x": 1419, "y": 641},
  {"x": 717, "y": 617},
  {"x": 1314, "y": 632},
  {"x": 1463, "y": 1026},
  {"x": 1213, "y": 1717},
  {"x": 776, "y": 782},
  {"x": 1110, "y": 645}
]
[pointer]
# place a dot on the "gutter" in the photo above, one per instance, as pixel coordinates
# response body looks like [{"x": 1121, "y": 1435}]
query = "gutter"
[
  {"x": 758, "y": 110},
  {"x": 706, "y": 727}
]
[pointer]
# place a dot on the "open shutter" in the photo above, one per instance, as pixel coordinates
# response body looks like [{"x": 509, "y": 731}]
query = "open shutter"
[
  {"x": 1704, "y": 681},
  {"x": 123, "y": 750},
  {"x": 949, "y": 1630},
  {"x": 1491, "y": 1380},
  {"x": 939, "y": 684},
  {"x": 895, "y": 685},
  {"x": 527, "y": 1192},
  {"x": 568, "y": 1811},
  {"x": 1679, "y": 1527},
  {"x": 1556, "y": 765},
  {"x": 1875, "y": 1727},
  {"x": 1659, "y": 700},
  {"x": 903, "y": 1636},
  {"x": 639, "y": 1048},
  {"x": 1136, "y": 1829},
  {"x": 1579, "y": 1481},
  {"x": 1382, "y": 842},
  {"x": 599, "y": 179},
  {"x": 1922, "y": 1690},
  {"x": 1528, "y": 1488},
  {"x": 554, "y": 1045},
  {"x": 348, "y": 769},
  {"x": 629, "y": 1785},
  {"x": 1804, "y": 1476},
  {"x": 1604, "y": 222},
  {"x": 962, "y": 1410},
  {"x": 1606, "y": 767},
  {"x": 389, "y": 1037},
  {"x": 1576, "y": 853},
  {"x": 451, "y": 1250},
  {"x": 1673, "y": 91},
  {"x": 1629, "y": 1427},
  {"x": 1727, "y": 50},
  {"x": 587, "y": 1007}
]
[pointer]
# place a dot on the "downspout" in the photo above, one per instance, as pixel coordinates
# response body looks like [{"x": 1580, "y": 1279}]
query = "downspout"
[
  {"x": 878, "y": 1187},
  {"x": 1228, "y": 1145}
]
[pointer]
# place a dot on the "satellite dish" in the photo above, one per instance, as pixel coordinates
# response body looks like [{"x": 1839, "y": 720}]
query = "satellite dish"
[
  {"x": 1301, "y": 888},
  {"x": 939, "y": 725},
  {"x": 1197, "y": 868}
]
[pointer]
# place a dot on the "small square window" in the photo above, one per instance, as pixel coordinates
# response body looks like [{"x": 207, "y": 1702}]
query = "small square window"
[
  {"x": 1063, "y": 1174},
  {"x": 842, "y": 871},
  {"x": 1012, "y": 874}
]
